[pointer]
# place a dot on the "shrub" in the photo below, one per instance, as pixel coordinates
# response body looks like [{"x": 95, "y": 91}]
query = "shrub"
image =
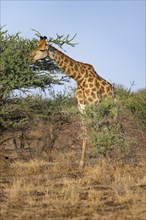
[
  {"x": 17, "y": 112},
  {"x": 136, "y": 103},
  {"x": 104, "y": 129}
]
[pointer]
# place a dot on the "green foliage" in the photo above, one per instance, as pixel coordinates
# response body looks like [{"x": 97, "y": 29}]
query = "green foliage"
[
  {"x": 106, "y": 133},
  {"x": 134, "y": 101},
  {"x": 122, "y": 93},
  {"x": 15, "y": 70},
  {"x": 104, "y": 130},
  {"x": 18, "y": 112},
  {"x": 107, "y": 140},
  {"x": 14, "y": 113},
  {"x": 61, "y": 40}
]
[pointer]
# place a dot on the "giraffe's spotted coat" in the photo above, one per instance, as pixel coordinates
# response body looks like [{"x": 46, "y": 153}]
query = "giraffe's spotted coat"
[{"x": 91, "y": 88}]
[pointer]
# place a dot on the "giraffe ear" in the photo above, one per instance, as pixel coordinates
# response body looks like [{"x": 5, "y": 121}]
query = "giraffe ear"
[{"x": 45, "y": 37}]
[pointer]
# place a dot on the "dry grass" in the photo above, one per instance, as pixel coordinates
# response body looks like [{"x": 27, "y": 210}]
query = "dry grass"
[{"x": 45, "y": 190}]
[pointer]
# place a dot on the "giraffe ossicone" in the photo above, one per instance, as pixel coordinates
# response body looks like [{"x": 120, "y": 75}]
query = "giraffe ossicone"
[{"x": 91, "y": 88}]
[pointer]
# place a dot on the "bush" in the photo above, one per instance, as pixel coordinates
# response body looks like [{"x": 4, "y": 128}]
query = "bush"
[
  {"x": 18, "y": 112},
  {"x": 136, "y": 103},
  {"x": 105, "y": 131},
  {"x": 133, "y": 101}
]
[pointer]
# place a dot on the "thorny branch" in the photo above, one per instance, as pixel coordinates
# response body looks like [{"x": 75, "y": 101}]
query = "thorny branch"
[{"x": 60, "y": 40}]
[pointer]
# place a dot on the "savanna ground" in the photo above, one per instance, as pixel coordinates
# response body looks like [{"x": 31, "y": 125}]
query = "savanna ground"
[{"x": 35, "y": 185}]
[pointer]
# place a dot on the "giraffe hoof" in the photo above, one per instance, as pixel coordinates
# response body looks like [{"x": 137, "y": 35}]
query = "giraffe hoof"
[{"x": 82, "y": 164}]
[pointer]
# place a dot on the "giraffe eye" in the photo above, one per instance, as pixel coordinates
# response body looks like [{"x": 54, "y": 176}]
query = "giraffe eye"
[{"x": 42, "y": 50}]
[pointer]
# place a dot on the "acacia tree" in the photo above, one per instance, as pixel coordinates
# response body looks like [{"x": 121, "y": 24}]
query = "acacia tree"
[{"x": 15, "y": 70}]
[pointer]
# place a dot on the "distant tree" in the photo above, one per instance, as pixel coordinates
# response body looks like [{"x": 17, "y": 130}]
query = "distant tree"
[{"x": 15, "y": 70}]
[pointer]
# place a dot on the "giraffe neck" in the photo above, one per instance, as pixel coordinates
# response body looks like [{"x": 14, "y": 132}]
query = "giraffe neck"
[
  {"x": 73, "y": 68},
  {"x": 84, "y": 74}
]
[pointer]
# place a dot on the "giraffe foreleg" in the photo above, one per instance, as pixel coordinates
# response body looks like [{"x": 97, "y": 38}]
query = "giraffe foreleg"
[{"x": 84, "y": 145}]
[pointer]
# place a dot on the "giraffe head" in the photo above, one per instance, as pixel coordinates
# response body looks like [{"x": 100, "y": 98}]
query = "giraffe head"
[{"x": 40, "y": 52}]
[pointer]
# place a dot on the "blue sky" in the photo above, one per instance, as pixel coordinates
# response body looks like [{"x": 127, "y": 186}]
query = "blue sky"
[{"x": 111, "y": 34}]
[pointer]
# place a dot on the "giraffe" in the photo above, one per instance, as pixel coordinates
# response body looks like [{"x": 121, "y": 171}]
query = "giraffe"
[{"x": 91, "y": 88}]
